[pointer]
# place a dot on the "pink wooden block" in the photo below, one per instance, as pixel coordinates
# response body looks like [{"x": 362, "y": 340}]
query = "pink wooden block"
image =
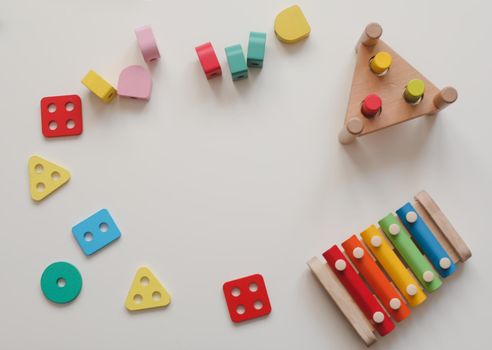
[
  {"x": 135, "y": 82},
  {"x": 146, "y": 41}
]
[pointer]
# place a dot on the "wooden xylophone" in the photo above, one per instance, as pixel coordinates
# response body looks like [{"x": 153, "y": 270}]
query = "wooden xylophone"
[{"x": 371, "y": 285}]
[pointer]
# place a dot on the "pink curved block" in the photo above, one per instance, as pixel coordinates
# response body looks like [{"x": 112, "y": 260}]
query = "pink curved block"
[
  {"x": 146, "y": 41},
  {"x": 135, "y": 82}
]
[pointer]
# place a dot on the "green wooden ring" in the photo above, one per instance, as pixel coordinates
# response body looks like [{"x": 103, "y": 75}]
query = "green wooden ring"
[{"x": 61, "y": 294}]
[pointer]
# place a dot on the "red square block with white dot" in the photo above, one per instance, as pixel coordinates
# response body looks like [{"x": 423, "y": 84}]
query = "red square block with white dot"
[
  {"x": 247, "y": 298},
  {"x": 61, "y": 116}
]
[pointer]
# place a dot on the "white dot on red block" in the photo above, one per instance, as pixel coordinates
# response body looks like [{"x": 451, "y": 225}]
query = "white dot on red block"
[
  {"x": 358, "y": 252},
  {"x": 376, "y": 241},
  {"x": 411, "y": 289},
  {"x": 340, "y": 265},
  {"x": 394, "y": 229},
  {"x": 428, "y": 276},
  {"x": 378, "y": 317},
  {"x": 445, "y": 263},
  {"x": 411, "y": 217},
  {"x": 395, "y": 303}
]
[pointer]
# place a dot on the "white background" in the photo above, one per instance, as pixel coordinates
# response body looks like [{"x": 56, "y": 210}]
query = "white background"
[{"x": 214, "y": 180}]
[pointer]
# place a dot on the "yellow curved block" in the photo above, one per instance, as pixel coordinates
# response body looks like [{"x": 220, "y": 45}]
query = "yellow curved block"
[
  {"x": 291, "y": 26},
  {"x": 146, "y": 292},
  {"x": 99, "y": 87},
  {"x": 393, "y": 266},
  {"x": 45, "y": 177}
]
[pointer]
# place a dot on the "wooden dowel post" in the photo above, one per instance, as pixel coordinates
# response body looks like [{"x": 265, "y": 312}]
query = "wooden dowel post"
[
  {"x": 350, "y": 131},
  {"x": 445, "y": 97},
  {"x": 370, "y": 36}
]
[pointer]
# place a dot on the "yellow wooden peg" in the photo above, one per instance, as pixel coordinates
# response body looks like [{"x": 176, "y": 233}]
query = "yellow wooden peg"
[
  {"x": 99, "y": 87},
  {"x": 146, "y": 292},
  {"x": 381, "y": 62},
  {"x": 45, "y": 177},
  {"x": 291, "y": 26}
]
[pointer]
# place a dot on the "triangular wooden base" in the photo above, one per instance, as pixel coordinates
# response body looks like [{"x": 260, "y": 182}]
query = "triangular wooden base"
[{"x": 390, "y": 87}]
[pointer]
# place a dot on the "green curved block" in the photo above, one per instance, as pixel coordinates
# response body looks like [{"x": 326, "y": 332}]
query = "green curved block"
[
  {"x": 410, "y": 253},
  {"x": 256, "y": 49},
  {"x": 237, "y": 62}
]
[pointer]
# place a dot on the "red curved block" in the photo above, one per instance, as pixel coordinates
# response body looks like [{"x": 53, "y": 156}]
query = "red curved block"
[
  {"x": 358, "y": 290},
  {"x": 208, "y": 60}
]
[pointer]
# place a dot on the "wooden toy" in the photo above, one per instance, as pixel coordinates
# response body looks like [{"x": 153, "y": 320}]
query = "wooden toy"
[
  {"x": 208, "y": 60},
  {"x": 99, "y": 87},
  {"x": 146, "y": 292},
  {"x": 358, "y": 290},
  {"x": 256, "y": 49},
  {"x": 61, "y": 116},
  {"x": 291, "y": 26},
  {"x": 376, "y": 279},
  {"x": 45, "y": 177},
  {"x": 237, "y": 62},
  {"x": 96, "y": 232},
  {"x": 349, "y": 292},
  {"x": 135, "y": 82},
  {"x": 405, "y": 93},
  {"x": 147, "y": 44},
  {"x": 247, "y": 298},
  {"x": 61, "y": 282}
]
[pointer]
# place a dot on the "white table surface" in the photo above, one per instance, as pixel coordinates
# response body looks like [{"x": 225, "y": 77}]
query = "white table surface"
[{"x": 213, "y": 180}]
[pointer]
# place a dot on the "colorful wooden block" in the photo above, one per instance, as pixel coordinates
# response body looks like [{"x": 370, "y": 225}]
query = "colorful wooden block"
[
  {"x": 208, "y": 60},
  {"x": 135, "y": 82},
  {"x": 146, "y": 42},
  {"x": 45, "y": 177},
  {"x": 247, "y": 298},
  {"x": 358, "y": 290},
  {"x": 291, "y": 25},
  {"x": 99, "y": 87},
  {"x": 96, "y": 232},
  {"x": 419, "y": 265},
  {"x": 376, "y": 279},
  {"x": 61, "y": 282},
  {"x": 382, "y": 71},
  {"x": 426, "y": 240},
  {"x": 256, "y": 49},
  {"x": 61, "y": 116},
  {"x": 403, "y": 280},
  {"x": 146, "y": 292},
  {"x": 237, "y": 62}
]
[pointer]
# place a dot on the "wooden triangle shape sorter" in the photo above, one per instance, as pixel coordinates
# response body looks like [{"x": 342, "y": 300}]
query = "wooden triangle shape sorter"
[
  {"x": 146, "y": 292},
  {"x": 45, "y": 177},
  {"x": 387, "y": 90}
]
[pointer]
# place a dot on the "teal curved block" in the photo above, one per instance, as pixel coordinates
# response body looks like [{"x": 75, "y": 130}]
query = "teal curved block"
[
  {"x": 237, "y": 62},
  {"x": 256, "y": 49}
]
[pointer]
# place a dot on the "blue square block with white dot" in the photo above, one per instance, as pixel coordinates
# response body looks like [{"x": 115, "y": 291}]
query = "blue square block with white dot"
[{"x": 96, "y": 232}]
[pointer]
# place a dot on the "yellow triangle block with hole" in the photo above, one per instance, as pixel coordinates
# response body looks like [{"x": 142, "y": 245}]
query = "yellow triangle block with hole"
[
  {"x": 45, "y": 177},
  {"x": 291, "y": 26},
  {"x": 146, "y": 292}
]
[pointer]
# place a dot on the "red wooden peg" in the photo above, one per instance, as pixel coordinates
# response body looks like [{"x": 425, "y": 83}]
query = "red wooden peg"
[
  {"x": 208, "y": 60},
  {"x": 371, "y": 105},
  {"x": 61, "y": 116},
  {"x": 247, "y": 298}
]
